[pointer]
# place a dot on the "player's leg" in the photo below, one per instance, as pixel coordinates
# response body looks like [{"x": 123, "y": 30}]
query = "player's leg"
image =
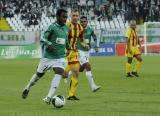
[
  {"x": 84, "y": 62},
  {"x": 81, "y": 56},
  {"x": 32, "y": 82},
  {"x": 67, "y": 70},
  {"x": 128, "y": 66},
  {"x": 137, "y": 65},
  {"x": 58, "y": 66},
  {"x": 59, "y": 73},
  {"x": 42, "y": 67},
  {"x": 90, "y": 78},
  {"x": 73, "y": 62},
  {"x": 74, "y": 81},
  {"x": 138, "y": 62},
  {"x": 81, "y": 69},
  {"x": 128, "y": 63},
  {"x": 34, "y": 79}
]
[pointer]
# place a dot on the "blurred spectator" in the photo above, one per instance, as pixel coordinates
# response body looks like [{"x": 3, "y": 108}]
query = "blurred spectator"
[{"x": 31, "y": 10}]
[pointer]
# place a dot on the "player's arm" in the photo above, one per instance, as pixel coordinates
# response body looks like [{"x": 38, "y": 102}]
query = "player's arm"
[
  {"x": 83, "y": 43},
  {"x": 67, "y": 45},
  {"x": 139, "y": 43},
  {"x": 128, "y": 44},
  {"x": 68, "y": 48},
  {"x": 46, "y": 39},
  {"x": 95, "y": 40},
  {"x": 127, "y": 36}
]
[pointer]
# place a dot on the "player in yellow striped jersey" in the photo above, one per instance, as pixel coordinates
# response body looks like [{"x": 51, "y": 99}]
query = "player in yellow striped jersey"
[
  {"x": 132, "y": 50},
  {"x": 75, "y": 33}
]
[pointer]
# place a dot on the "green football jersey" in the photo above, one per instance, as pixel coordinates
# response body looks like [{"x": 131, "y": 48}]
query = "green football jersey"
[
  {"x": 88, "y": 34},
  {"x": 56, "y": 35}
]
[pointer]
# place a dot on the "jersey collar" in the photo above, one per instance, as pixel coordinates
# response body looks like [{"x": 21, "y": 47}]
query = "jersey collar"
[{"x": 59, "y": 24}]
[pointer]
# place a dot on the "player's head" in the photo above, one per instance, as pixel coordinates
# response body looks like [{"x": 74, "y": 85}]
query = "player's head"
[
  {"x": 133, "y": 23},
  {"x": 83, "y": 21},
  {"x": 74, "y": 15},
  {"x": 61, "y": 16}
]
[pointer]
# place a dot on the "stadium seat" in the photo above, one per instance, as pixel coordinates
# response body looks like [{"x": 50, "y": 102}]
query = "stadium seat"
[
  {"x": 116, "y": 23},
  {"x": 126, "y": 24},
  {"x": 97, "y": 25},
  {"x": 112, "y": 24},
  {"x": 102, "y": 24},
  {"x": 107, "y": 24}
]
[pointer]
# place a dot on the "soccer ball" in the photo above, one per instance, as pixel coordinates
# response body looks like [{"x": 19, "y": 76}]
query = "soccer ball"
[{"x": 58, "y": 101}]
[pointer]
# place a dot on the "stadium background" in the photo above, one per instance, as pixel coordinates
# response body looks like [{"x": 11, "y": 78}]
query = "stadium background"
[
  {"x": 22, "y": 23},
  {"x": 25, "y": 21}
]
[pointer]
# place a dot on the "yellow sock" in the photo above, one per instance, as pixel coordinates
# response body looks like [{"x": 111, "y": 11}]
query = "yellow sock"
[
  {"x": 137, "y": 66},
  {"x": 73, "y": 85},
  {"x": 128, "y": 67}
]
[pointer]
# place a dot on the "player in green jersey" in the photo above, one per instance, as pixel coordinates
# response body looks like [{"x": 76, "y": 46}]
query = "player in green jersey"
[
  {"x": 54, "y": 43},
  {"x": 88, "y": 34}
]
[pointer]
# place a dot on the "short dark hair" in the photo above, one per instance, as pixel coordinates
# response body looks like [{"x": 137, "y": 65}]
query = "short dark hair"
[
  {"x": 83, "y": 17},
  {"x": 75, "y": 10},
  {"x": 60, "y": 11}
]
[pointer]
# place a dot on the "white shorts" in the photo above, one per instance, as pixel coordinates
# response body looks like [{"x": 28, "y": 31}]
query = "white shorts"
[
  {"x": 83, "y": 56},
  {"x": 48, "y": 64}
]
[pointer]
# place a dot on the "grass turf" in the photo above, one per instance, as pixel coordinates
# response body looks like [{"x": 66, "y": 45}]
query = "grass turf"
[{"x": 118, "y": 96}]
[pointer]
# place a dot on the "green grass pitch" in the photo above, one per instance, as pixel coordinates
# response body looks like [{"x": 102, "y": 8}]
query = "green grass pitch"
[{"x": 117, "y": 97}]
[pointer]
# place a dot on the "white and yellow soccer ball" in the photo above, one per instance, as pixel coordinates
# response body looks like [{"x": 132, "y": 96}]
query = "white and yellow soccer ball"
[{"x": 58, "y": 101}]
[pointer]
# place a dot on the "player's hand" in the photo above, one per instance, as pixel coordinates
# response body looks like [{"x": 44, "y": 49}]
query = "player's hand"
[
  {"x": 140, "y": 47},
  {"x": 51, "y": 48},
  {"x": 68, "y": 52},
  {"x": 97, "y": 50},
  {"x": 86, "y": 46},
  {"x": 130, "y": 51}
]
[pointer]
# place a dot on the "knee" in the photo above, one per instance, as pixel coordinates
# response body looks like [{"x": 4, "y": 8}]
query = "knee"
[
  {"x": 75, "y": 73},
  {"x": 88, "y": 67},
  {"x": 60, "y": 72},
  {"x": 140, "y": 60},
  {"x": 40, "y": 74},
  {"x": 129, "y": 60},
  {"x": 81, "y": 69}
]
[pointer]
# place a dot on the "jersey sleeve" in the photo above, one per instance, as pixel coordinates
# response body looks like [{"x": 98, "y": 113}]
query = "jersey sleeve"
[
  {"x": 94, "y": 38},
  {"x": 67, "y": 40},
  {"x": 46, "y": 37},
  {"x": 67, "y": 45},
  {"x": 93, "y": 35},
  {"x": 81, "y": 34}
]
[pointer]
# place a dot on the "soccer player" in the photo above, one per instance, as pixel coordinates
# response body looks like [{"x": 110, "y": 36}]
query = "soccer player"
[
  {"x": 54, "y": 43},
  {"x": 84, "y": 53},
  {"x": 132, "y": 50},
  {"x": 75, "y": 33}
]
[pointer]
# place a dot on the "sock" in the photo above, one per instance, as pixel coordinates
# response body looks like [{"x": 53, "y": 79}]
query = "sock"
[
  {"x": 54, "y": 84},
  {"x": 73, "y": 86},
  {"x": 128, "y": 67},
  {"x": 90, "y": 79},
  {"x": 137, "y": 66},
  {"x": 32, "y": 81}
]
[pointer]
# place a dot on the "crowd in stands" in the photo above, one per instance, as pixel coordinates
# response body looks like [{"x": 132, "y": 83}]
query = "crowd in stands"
[{"x": 32, "y": 10}]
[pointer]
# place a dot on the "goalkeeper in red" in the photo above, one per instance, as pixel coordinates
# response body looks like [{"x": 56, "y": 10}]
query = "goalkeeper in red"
[{"x": 132, "y": 50}]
